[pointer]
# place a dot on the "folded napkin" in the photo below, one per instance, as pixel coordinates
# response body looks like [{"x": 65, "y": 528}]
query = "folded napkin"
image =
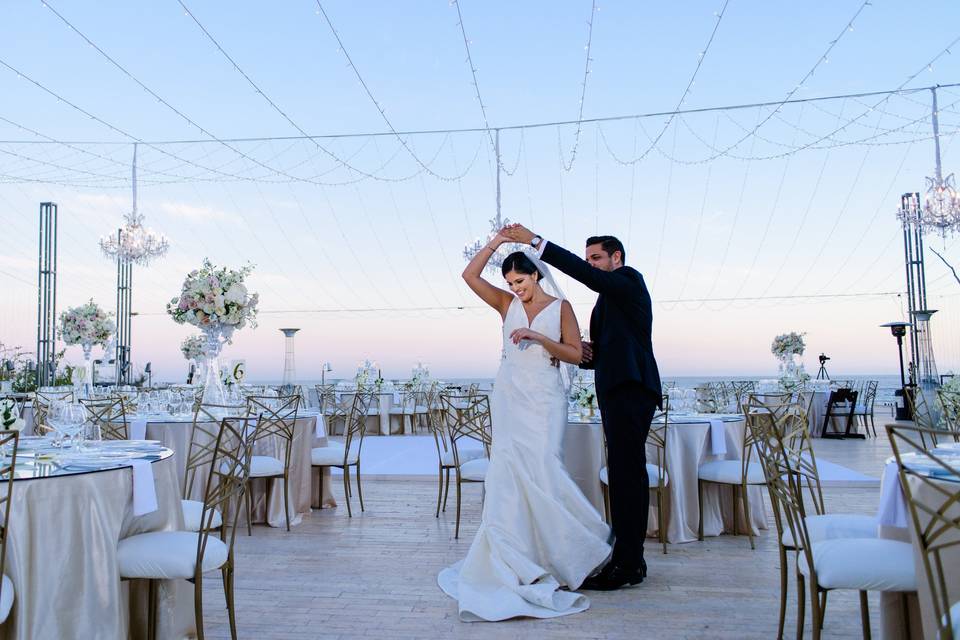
[
  {"x": 321, "y": 430},
  {"x": 144, "y": 489},
  {"x": 718, "y": 437},
  {"x": 892, "y": 511},
  {"x": 138, "y": 429}
]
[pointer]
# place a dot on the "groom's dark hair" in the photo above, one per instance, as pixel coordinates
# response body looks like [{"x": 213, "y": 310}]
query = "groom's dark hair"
[{"x": 609, "y": 244}]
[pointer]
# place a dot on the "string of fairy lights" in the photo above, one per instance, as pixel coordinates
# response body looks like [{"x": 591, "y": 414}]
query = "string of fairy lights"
[{"x": 219, "y": 160}]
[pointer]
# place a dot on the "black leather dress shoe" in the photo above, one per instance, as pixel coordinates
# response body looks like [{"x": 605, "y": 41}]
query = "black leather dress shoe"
[{"x": 613, "y": 578}]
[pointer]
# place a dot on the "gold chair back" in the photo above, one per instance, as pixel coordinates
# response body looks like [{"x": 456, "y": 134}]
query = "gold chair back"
[
  {"x": 469, "y": 418},
  {"x": 276, "y": 420},
  {"x": 109, "y": 415},
  {"x": 356, "y": 422},
  {"x": 931, "y": 485},
  {"x": 207, "y": 422},
  {"x": 41, "y": 407},
  {"x": 228, "y": 473},
  {"x": 950, "y": 411},
  {"x": 657, "y": 438}
]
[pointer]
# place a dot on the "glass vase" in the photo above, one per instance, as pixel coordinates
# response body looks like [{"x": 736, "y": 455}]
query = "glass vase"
[
  {"x": 213, "y": 389},
  {"x": 86, "y": 377}
]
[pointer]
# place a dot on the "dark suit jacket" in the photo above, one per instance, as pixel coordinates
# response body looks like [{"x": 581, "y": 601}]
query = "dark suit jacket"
[{"x": 621, "y": 324}]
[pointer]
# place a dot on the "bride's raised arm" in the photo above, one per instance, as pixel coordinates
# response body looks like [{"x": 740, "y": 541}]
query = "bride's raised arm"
[{"x": 492, "y": 295}]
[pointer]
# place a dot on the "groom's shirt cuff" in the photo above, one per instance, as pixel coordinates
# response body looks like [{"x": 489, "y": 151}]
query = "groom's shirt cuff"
[{"x": 541, "y": 247}]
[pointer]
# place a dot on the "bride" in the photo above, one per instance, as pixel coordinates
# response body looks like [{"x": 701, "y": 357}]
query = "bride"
[{"x": 539, "y": 535}]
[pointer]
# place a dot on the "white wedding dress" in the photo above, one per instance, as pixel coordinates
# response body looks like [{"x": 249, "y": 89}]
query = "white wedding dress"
[{"x": 538, "y": 532}]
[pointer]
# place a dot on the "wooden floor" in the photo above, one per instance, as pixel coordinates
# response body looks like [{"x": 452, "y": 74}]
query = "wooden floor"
[{"x": 375, "y": 576}]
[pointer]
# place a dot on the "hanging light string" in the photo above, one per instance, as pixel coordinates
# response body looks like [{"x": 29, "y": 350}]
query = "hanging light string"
[
  {"x": 686, "y": 92},
  {"x": 376, "y": 103},
  {"x": 567, "y": 166},
  {"x": 473, "y": 75}
]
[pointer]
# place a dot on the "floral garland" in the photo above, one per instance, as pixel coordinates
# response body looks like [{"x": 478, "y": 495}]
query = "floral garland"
[
  {"x": 87, "y": 324},
  {"x": 192, "y": 348},
  {"x": 214, "y": 297},
  {"x": 788, "y": 344}
]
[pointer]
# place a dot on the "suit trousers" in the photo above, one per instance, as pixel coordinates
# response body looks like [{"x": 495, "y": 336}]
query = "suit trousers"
[{"x": 626, "y": 411}]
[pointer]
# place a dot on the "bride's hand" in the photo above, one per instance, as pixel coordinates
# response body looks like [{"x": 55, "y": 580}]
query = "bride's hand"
[{"x": 525, "y": 334}]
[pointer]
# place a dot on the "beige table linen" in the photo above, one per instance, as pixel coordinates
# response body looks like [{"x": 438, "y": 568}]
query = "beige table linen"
[
  {"x": 688, "y": 446},
  {"x": 922, "y": 618},
  {"x": 303, "y": 482},
  {"x": 62, "y": 557}
]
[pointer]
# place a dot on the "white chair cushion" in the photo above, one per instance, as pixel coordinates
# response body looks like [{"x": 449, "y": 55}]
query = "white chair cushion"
[
  {"x": 167, "y": 555},
  {"x": 193, "y": 512},
  {"x": 730, "y": 472},
  {"x": 833, "y": 526},
  {"x": 264, "y": 466},
  {"x": 466, "y": 455},
  {"x": 6, "y": 598},
  {"x": 475, "y": 470},
  {"x": 653, "y": 476},
  {"x": 330, "y": 455},
  {"x": 863, "y": 564}
]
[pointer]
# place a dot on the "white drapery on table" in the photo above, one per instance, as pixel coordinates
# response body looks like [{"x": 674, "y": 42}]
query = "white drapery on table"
[{"x": 689, "y": 444}]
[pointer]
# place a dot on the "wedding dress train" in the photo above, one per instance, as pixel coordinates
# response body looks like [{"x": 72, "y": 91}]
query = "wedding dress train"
[{"x": 538, "y": 532}]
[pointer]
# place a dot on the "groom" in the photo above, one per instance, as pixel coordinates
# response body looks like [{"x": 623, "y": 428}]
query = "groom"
[{"x": 628, "y": 388}]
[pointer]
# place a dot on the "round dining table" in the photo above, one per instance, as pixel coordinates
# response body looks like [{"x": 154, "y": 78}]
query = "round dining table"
[
  {"x": 69, "y": 509},
  {"x": 174, "y": 431},
  {"x": 692, "y": 439},
  {"x": 894, "y": 520}
]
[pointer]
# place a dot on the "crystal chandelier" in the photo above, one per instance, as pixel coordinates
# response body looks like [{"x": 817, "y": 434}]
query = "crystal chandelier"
[
  {"x": 941, "y": 207},
  {"x": 134, "y": 243},
  {"x": 504, "y": 250}
]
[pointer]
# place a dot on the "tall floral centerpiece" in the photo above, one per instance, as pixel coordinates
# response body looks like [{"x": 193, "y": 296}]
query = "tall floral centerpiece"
[
  {"x": 216, "y": 301},
  {"x": 86, "y": 325},
  {"x": 192, "y": 350},
  {"x": 367, "y": 373},
  {"x": 787, "y": 348},
  {"x": 420, "y": 374}
]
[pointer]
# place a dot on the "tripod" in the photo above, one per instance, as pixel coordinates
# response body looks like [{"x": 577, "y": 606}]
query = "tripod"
[{"x": 822, "y": 373}]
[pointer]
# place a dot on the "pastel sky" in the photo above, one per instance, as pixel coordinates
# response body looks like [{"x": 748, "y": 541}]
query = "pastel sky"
[{"x": 737, "y": 218}]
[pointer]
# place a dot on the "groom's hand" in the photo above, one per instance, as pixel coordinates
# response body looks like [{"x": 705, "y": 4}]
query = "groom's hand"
[
  {"x": 518, "y": 233},
  {"x": 587, "y": 348}
]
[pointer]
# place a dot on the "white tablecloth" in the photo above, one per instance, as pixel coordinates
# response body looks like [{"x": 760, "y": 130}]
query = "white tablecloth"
[
  {"x": 62, "y": 557},
  {"x": 688, "y": 446}
]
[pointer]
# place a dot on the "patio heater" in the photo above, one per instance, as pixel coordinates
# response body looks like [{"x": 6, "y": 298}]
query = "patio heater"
[
  {"x": 899, "y": 330},
  {"x": 289, "y": 365}
]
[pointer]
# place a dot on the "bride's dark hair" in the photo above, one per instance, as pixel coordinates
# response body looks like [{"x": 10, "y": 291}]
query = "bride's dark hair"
[{"x": 519, "y": 262}]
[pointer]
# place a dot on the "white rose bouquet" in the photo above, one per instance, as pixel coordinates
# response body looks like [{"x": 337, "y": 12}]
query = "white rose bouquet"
[
  {"x": 215, "y": 297},
  {"x": 86, "y": 325},
  {"x": 788, "y": 344},
  {"x": 192, "y": 348},
  {"x": 585, "y": 397}
]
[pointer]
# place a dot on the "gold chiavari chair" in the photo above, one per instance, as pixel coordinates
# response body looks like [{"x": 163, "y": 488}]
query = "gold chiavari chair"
[
  {"x": 9, "y": 442},
  {"x": 346, "y": 455},
  {"x": 200, "y": 452},
  {"x": 846, "y": 563},
  {"x": 41, "y": 407},
  {"x": 469, "y": 418},
  {"x": 864, "y": 408},
  {"x": 276, "y": 421},
  {"x": 109, "y": 415},
  {"x": 439, "y": 427},
  {"x": 739, "y": 475},
  {"x": 332, "y": 409},
  {"x": 931, "y": 486},
  {"x": 656, "y": 471},
  {"x": 950, "y": 411},
  {"x": 188, "y": 555},
  {"x": 741, "y": 390},
  {"x": 783, "y": 417},
  {"x": 923, "y": 415}
]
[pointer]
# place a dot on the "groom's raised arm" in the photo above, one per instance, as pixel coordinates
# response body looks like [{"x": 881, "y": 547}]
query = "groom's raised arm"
[{"x": 607, "y": 282}]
